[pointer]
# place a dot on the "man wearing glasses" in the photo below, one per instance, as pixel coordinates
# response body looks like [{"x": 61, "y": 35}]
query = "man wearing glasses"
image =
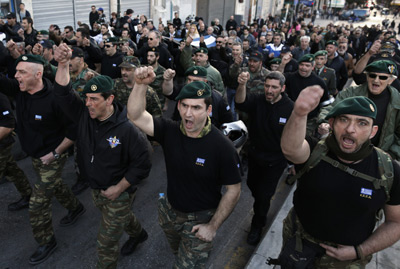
[
  {"x": 112, "y": 59},
  {"x": 380, "y": 75}
]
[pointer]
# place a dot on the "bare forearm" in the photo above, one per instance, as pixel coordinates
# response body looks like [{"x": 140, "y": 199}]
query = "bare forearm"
[
  {"x": 168, "y": 87},
  {"x": 240, "y": 95},
  {"x": 137, "y": 101},
  {"x": 362, "y": 63},
  {"x": 293, "y": 135},
  {"x": 226, "y": 205},
  {"x": 4, "y": 132},
  {"x": 65, "y": 144},
  {"x": 62, "y": 75},
  {"x": 123, "y": 185}
]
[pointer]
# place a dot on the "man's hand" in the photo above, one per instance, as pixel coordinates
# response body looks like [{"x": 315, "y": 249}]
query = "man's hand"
[
  {"x": 308, "y": 100},
  {"x": 88, "y": 76},
  {"x": 112, "y": 192},
  {"x": 11, "y": 46},
  {"x": 205, "y": 232},
  {"x": 37, "y": 49},
  {"x": 48, "y": 158},
  {"x": 323, "y": 128},
  {"x": 286, "y": 59},
  {"x": 341, "y": 253},
  {"x": 21, "y": 33},
  {"x": 189, "y": 40},
  {"x": 271, "y": 55},
  {"x": 144, "y": 75},
  {"x": 375, "y": 47},
  {"x": 62, "y": 53},
  {"x": 169, "y": 74},
  {"x": 86, "y": 42},
  {"x": 243, "y": 77},
  {"x": 238, "y": 60}
]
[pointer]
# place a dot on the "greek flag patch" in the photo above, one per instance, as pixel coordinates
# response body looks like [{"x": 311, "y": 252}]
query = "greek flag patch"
[
  {"x": 200, "y": 161},
  {"x": 6, "y": 112},
  {"x": 38, "y": 117},
  {"x": 366, "y": 193},
  {"x": 282, "y": 120}
]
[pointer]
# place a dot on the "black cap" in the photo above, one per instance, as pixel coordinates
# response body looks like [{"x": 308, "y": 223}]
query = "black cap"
[
  {"x": 285, "y": 49},
  {"x": 257, "y": 56},
  {"x": 11, "y": 15},
  {"x": 77, "y": 52},
  {"x": 48, "y": 44}
]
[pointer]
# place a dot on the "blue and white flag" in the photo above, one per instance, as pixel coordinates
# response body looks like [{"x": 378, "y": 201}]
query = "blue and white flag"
[{"x": 208, "y": 39}]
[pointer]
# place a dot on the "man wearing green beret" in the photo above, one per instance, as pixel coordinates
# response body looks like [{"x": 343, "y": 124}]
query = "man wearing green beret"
[
  {"x": 45, "y": 134},
  {"x": 380, "y": 75},
  {"x": 42, "y": 35},
  {"x": 327, "y": 74},
  {"x": 221, "y": 112},
  {"x": 112, "y": 154},
  {"x": 124, "y": 85},
  {"x": 378, "y": 51},
  {"x": 199, "y": 160},
  {"x": 344, "y": 182},
  {"x": 111, "y": 59},
  {"x": 274, "y": 64},
  {"x": 201, "y": 59},
  {"x": 301, "y": 79},
  {"x": 337, "y": 63}
]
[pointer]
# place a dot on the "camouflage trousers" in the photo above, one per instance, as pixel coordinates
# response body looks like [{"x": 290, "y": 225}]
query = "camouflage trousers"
[
  {"x": 50, "y": 184},
  {"x": 9, "y": 168},
  {"x": 324, "y": 262},
  {"x": 190, "y": 251},
  {"x": 117, "y": 217}
]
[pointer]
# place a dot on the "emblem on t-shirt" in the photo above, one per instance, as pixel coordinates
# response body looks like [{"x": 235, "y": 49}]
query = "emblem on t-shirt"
[
  {"x": 282, "y": 120},
  {"x": 113, "y": 141},
  {"x": 6, "y": 112},
  {"x": 38, "y": 117},
  {"x": 366, "y": 193},
  {"x": 200, "y": 161}
]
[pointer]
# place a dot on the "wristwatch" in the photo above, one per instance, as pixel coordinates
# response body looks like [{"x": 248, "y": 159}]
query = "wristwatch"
[{"x": 56, "y": 155}]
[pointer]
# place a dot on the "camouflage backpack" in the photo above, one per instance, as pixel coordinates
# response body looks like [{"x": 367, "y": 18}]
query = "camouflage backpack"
[{"x": 384, "y": 164}]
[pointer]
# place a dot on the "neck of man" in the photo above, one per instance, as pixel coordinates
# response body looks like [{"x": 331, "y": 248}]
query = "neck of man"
[
  {"x": 155, "y": 65},
  {"x": 107, "y": 114},
  {"x": 38, "y": 87},
  {"x": 29, "y": 30},
  {"x": 319, "y": 66}
]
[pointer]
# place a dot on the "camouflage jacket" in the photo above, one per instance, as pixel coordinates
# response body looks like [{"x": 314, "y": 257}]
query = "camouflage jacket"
[
  {"x": 122, "y": 92},
  {"x": 78, "y": 82},
  {"x": 157, "y": 83},
  {"x": 256, "y": 81}
]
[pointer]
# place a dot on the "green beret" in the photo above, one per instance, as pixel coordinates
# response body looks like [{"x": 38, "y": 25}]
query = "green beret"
[
  {"x": 382, "y": 66},
  {"x": 331, "y": 42},
  {"x": 99, "y": 84},
  {"x": 320, "y": 53},
  {"x": 194, "y": 90},
  {"x": 202, "y": 50},
  {"x": 130, "y": 62},
  {"x": 392, "y": 36},
  {"x": 356, "y": 105},
  {"x": 308, "y": 58},
  {"x": 196, "y": 71},
  {"x": 43, "y": 32},
  {"x": 112, "y": 39},
  {"x": 275, "y": 61},
  {"x": 30, "y": 58}
]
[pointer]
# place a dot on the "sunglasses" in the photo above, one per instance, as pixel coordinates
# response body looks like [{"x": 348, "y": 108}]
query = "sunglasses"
[
  {"x": 230, "y": 43},
  {"x": 108, "y": 46},
  {"x": 373, "y": 76},
  {"x": 220, "y": 42},
  {"x": 151, "y": 39}
]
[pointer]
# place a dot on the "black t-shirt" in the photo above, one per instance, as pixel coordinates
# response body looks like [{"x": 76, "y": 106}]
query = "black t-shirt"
[
  {"x": 296, "y": 83},
  {"x": 337, "y": 207},
  {"x": 266, "y": 125},
  {"x": 381, "y": 101},
  {"x": 196, "y": 167},
  {"x": 110, "y": 65}
]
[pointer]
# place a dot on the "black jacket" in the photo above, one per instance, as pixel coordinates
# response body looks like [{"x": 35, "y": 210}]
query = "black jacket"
[
  {"x": 107, "y": 151},
  {"x": 41, "y": 124}
]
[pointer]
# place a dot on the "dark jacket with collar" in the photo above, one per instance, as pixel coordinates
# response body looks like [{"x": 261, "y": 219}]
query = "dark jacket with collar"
[{"x": 110, "y": 150}]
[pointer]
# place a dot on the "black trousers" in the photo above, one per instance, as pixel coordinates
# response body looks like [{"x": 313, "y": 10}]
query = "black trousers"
[{"x": 262, "y": 181}]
